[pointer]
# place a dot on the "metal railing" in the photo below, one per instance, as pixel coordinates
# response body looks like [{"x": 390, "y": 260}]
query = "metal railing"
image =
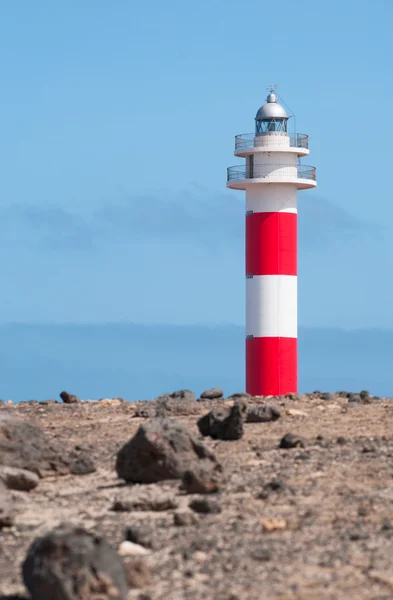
[
  {"x": 247, "y": 140},
  {"x": 306, "y": 172},
  {"x": 240, "y": 172}
]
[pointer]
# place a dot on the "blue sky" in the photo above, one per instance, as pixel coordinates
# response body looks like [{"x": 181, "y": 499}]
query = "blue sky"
[{"x": 117, "y": 125}]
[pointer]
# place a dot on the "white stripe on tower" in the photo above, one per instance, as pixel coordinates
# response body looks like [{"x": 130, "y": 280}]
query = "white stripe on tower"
[{"x": 271, "y": 302}]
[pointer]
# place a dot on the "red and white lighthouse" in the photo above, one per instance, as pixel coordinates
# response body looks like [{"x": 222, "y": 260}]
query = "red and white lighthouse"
[{"x": 271, "y": 177}]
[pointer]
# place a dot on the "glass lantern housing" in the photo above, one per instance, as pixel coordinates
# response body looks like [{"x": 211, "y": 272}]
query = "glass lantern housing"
[{"x": 269, "y": 125}]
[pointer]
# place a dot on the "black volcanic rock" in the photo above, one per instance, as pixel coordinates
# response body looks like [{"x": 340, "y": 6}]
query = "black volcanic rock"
[
  {"x": 69, "y": 398},
  {"x": 161, "y": 449},
  {"x": 262, "y": 413},
  {"x": 25, "y": 445},
  {"x": 18, "y": 479},
  {"x": 81, "y": 463},
  {"x": 71, "y": 564},
  {"x": 202, "y": 479},
  {"x": 205, "y": 506},
  {"x": 291, "y": 441},
  {"x": 181, "y": 402},
  {"x": 224, "y": 423},
  {"x": 240, "y": 396},
  {"x": 212, "y": 394}
]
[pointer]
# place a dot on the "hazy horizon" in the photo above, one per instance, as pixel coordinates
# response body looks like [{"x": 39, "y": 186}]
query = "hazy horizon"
[{"x": 135, "y": 361}]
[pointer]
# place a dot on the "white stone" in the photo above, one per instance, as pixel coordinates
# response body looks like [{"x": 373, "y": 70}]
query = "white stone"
[{"x": 130, "y": 549}]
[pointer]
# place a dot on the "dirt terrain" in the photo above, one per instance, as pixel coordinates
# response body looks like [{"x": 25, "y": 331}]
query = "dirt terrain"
[{"x": 310, "y": 522}]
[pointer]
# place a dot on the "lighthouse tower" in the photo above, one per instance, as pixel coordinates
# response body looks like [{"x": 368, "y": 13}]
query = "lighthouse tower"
[{"x": 271, "y": 177}]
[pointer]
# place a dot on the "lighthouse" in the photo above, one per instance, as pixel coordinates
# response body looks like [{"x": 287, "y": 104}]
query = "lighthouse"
[{"x": 271, "y": 176}]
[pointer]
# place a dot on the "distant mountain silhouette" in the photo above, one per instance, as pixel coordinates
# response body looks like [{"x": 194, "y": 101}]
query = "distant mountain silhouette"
[{"x": 38, "y": 361}]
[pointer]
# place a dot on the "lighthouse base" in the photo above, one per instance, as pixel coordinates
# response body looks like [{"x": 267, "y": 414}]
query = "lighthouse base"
[{"x": 271, "y": 366}]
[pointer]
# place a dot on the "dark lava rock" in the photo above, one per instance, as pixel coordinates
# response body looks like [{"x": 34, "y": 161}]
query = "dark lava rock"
[
  {"x": 82, "y": 464},
  {"x": 262, "y": 413},
  {"x": 69, "y": 398},
  {"x": 326, "y": 396},
  {"x": 303, "y": 456},
  {"x": 369, "y": 448},
  {"x": 353, "y": 397},
  {"x": 240, "y": 396},
  {"x": 212, "y": 394},
  {"x": 317, "y": 394},
  {"x": 6, "y": 507},
  {"x": 18, "y": 479},
  {"x": 202, "y": 479},
  {"x": 25, "y": 445},
  {"x": 224, "y": 423},
  {"x": 181, "y": 402},
  {"x": 205, "y": 506},
  {"x": 185, "y": 395},
  {"x": 363, "y": 397},
  {"x": 356, "y": 535},
  {"x": 275, "y": 485},
  {"x": 71, "y": 564},
  {"x": 161, "y": 449},
  {"x": 154, "y": 504},
  {"x": 145, "y": 410},
  {"x": 292, "y": 396},
  {"x": 184, "y": 519},
  {"x": 142, "y": 534},
  {"x": 291, "y": 441},
  {"x": 341, "y": 440},
  {"x": 180, "y": 395},
  {"x": 122, "y": 506},
  {"x": 364, "y": 510}
]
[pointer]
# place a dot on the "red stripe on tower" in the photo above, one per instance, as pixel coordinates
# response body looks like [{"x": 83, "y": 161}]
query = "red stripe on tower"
[
  {"x": 278, "y": 359},
  {"x": 266, "y": 231}
]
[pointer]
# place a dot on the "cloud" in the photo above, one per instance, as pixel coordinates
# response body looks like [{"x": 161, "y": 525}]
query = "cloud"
[
  {"x": 217, "y": 220},
  {"x": 197, "y": 216},
  {"x": 44, "y": 227},
  {"x": 321, "y": 222}
]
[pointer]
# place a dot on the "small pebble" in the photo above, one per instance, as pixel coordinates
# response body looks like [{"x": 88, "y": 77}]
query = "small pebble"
[
  {"x": 205, "y": 506},
  {"x": 127, "y": 548},
  {"x": 291, "y": 441},
  {"x": 183, "y": 518}
]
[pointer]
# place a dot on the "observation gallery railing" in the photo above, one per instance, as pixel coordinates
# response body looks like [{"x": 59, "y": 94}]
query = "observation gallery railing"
[
  {"x": 277, "y": 172},
  {"x": 250, "y": 140}
]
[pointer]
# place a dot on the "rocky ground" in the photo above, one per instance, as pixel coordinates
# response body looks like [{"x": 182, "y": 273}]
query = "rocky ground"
[{"x": 248, "y": 518}]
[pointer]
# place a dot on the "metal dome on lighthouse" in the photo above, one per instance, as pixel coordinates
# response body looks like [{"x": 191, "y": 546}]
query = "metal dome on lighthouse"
[
  {"x": 271, "y": 177},
  {"x": 271, "y": 116}
]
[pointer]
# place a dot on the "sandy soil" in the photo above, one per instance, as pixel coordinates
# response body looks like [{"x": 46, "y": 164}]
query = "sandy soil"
[{"x": 322, "y": 530}]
